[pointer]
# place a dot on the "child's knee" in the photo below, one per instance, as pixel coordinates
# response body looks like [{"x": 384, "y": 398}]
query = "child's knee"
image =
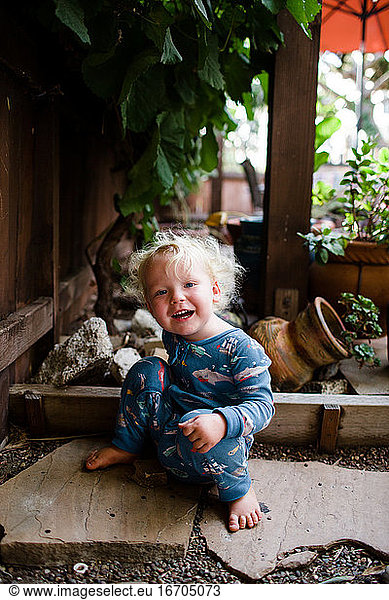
[
  {"x": 149, "y": 373},
  {"x": 195, "y": 413}
]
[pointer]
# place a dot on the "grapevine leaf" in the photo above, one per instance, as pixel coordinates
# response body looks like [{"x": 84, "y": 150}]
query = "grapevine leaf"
[
  {"x": 209, "y": 151},
  {"x": 71, "y": 14},
  {"x": 303, "y": 12},
  {"x": 201, "y": 10},
  {"x": 170, "y": 54},
  {"x": 210, "y": 72}
]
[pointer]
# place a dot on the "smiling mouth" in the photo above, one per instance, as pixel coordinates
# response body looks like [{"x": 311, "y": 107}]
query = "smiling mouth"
[{"x": 182, "y": 315}]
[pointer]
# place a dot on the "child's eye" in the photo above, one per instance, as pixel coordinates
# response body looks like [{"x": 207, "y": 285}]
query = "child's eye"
[
  {"x": 160, "y": 293},
  {"x": 189, "y": 284}
]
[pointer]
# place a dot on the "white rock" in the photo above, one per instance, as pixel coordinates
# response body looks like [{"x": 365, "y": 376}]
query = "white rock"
[
  {"x": 144, "y": 324},
  {"x": 123, "y": 360}
]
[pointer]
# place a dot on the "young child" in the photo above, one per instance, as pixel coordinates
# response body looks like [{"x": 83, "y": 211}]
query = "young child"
[{"x": 202, "y": 409}]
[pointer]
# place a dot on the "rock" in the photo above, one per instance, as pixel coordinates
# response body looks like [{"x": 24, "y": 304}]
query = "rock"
[
  {"x": 122, "y": 325},
  {"x": 122, "y": 362},
  {"x": 57, "y": 513},
  {"x": 312, "y": 505},
  {"x": 143, "y": 324},
  {"x": 295, "y": 561},
  {"x": 86, "y": 353},
  {"x": 150, "y": 343},
  {"x": 326, "y": 372},
  {"x": 161, "y": 353},
  {"x": 329, "y": 386},
  {"x": 149, "y": 473}
]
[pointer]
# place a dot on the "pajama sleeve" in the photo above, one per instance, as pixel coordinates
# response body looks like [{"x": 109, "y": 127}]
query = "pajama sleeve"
[{"x": 253, "y": 409}]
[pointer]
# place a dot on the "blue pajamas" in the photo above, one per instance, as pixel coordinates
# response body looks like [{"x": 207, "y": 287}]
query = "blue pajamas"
[{"x": 156, "y": 397}]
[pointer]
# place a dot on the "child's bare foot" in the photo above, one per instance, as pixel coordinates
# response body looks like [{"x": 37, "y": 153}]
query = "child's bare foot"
[
  {"x": 110, "y": 455},
  {"x": 244, "y": 512}
]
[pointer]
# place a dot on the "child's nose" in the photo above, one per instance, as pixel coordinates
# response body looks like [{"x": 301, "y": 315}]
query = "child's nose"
[{"x": 177, "y": 296}]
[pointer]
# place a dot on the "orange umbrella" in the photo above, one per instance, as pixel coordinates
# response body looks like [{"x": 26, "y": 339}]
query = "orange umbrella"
[{"x": 349, "y": 25}]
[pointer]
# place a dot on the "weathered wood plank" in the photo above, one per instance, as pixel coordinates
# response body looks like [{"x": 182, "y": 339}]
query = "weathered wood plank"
[
  {"x": 73, "y": 410},
  {"x": 76, "y": 410},
  {"x": 35, "y": 413},
  {"x": 329, "y": 427},
  {"x": 23, "y": 328}
]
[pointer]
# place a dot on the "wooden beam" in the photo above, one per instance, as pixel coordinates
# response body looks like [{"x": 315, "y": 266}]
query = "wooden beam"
[
  {"x": 329, "y": 427},
  {"x": 78, "y": 410},
  {"x": 35, "y": 413},
  {"x": 23, "y": 328},
  {"x": 288, "y": 183}
]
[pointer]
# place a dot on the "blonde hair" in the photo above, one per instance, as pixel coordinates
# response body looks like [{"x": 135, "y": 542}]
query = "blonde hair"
[{"x": 188, "y": 251}]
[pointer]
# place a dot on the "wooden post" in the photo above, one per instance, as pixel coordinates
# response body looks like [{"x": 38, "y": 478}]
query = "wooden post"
[
  {"x": 329, "y": 427},
  {"x": 288, "y": 183},
  {"x": 35, "y": 413},
  {"x": 8, "y": 215},
  {"x": 217, "y": 182}
]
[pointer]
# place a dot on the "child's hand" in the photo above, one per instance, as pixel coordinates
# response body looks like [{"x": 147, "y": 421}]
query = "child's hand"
[{"x": 205, "y": 431}]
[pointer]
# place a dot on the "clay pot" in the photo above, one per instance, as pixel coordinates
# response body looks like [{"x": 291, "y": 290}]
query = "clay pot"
[
  {"x": 364, "y": 269},
  {"x": 296, "y": 348}
]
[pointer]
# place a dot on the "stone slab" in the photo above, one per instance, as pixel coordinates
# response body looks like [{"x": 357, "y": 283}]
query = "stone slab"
[
  {"x": 55, "y": 512},
  {"x": 369, "y": 381},
  {"x": 309, "y": 504}
]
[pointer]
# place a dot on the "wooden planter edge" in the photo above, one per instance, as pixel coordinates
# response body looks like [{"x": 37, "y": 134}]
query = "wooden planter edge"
[{"x": 301, "y": 419}]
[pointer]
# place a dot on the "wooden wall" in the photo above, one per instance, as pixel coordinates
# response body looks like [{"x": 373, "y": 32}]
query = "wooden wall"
[{"x": 56, "y": 195}]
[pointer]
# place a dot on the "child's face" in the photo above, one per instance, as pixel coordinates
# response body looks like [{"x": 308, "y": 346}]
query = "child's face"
[{"x": 182, "y": 302}]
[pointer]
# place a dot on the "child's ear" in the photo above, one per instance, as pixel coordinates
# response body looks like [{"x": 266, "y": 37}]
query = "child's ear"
[{"x": 216, "y": 292}]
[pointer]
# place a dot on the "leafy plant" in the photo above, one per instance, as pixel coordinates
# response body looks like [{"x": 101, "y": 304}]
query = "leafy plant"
[
  {"x": 360, "y": 319},
  {"x": 323, "y": 131},
  {"x": 364, "y": 206},
  {"x": 366, "y": 200},
  {"x": 166, "y": 68},
  {"x": 325, "y": 242}
]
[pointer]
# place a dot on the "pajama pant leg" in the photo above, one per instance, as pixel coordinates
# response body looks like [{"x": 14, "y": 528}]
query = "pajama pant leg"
[
  {"x": 146, "y": 411},
  {"x": 226, "y": 463}
]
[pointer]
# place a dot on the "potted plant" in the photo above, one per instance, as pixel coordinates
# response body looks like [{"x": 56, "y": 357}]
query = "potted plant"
[
  {"x": 317, "y": 337},
  {"x": 360, "y": 318},
  {"x": 355, "y": 256}
]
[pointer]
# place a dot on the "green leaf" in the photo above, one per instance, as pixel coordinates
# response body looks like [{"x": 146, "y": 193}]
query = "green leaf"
[
  {"x": 274, "y": 5},
  {"x": 200, "y": 9},
  {"x": 164, "y": 171},
  {"x": 383, "y": 155},
  {"x": 209, "y": 150},
  {"x": 238, "y": 76},
  {"x": 146, "y": 99},
  {"x": 141, "y": 63},
  {"x": 322, "y": 256},
  {"x": 325, "y": 129},
  {"x": 170, "y": 54},
  {"x": 155, "y": 27},
  {"x": 71, "y": 14},
  {"x": 103, "y": 72},
  {"x": 210, "y": 72},
  {"x": 304, "y": 12},
  {"x": 321, "y": 158}
]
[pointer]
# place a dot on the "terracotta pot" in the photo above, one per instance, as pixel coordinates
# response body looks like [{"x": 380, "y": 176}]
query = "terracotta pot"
[
  {"x": 296, "y": 348},
  {"x": 364, "y": 269}
]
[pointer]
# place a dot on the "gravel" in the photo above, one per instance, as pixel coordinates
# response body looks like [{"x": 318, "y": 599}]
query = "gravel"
[{"x": 343, "y": 563}]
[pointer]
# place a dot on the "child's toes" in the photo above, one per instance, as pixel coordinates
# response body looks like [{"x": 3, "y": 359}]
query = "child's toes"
[
  {"x": 250, "y": 521},
  {"x": 242, "y": 521},
  {"x": 233, "y": 522}
]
